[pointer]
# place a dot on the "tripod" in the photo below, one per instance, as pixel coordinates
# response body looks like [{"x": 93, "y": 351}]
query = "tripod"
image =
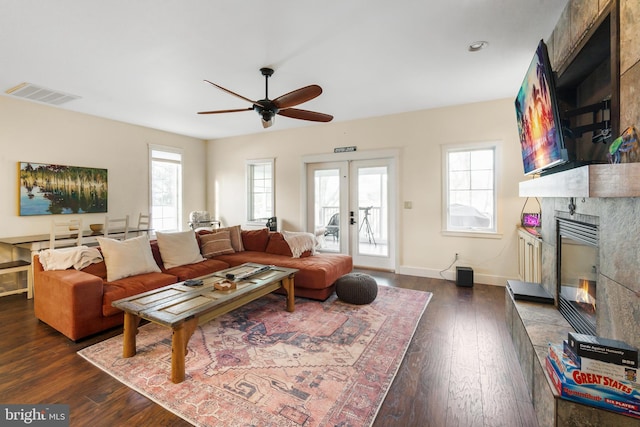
[{"x": 365, "y": 221}]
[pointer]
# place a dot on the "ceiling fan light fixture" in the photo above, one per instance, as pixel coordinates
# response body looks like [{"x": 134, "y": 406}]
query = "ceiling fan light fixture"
[
  {"x": 267, "y": 118},
  {"x": 477, "y": 46}
]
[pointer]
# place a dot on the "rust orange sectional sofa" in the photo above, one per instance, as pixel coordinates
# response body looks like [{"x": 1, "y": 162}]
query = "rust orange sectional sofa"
[{"x": 77, "y": 303}]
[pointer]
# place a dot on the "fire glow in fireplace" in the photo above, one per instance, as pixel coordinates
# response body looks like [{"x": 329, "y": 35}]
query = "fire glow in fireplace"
[{"x": 577, "y": 273}]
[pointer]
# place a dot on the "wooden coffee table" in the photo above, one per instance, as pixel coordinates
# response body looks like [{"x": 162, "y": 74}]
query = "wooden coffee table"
[{"x": 182, "y": 308}]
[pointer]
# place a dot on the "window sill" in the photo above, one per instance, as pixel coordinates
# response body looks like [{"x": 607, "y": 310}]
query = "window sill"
[
  {"x": 472, "y": 234},
  {"x": 252, "y": 225}
]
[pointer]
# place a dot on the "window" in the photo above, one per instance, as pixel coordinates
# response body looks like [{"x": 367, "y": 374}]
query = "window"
[
  {"x": 260, "y": 190},
  {"x": 166, "y": 188},
  {"x": 470, "y": 188}
]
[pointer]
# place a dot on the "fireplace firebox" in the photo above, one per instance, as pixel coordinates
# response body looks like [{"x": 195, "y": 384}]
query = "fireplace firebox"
[{"x": 577, "y": 273}]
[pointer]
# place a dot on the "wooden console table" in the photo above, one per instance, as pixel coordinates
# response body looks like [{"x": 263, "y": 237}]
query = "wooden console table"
[
  {"x": 16, "y": 267},
  {"x": 37, "y": 242}
]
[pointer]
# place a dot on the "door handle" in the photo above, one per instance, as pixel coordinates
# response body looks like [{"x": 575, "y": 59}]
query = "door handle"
[{"x": 352, "y": 221}]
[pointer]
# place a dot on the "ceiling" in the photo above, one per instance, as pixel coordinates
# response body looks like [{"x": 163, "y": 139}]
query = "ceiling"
[{"x": 144, "y": 61}]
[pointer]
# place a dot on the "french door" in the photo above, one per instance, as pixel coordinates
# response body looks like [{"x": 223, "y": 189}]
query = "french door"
[{"x": 350, "y": 209}]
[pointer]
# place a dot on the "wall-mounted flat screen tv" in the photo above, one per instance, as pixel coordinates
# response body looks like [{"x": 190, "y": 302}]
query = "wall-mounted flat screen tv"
[{"x": 538, "y": 116}]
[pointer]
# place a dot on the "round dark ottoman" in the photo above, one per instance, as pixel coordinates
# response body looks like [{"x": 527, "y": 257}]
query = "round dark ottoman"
[{"x": 357, "y": 288}]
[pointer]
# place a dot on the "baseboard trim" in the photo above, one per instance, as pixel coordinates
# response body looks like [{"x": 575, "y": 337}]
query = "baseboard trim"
[{"x": 486, "y": 279}]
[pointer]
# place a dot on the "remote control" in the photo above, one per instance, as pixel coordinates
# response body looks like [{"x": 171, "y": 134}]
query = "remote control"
[{"x": 193, "y": 282}]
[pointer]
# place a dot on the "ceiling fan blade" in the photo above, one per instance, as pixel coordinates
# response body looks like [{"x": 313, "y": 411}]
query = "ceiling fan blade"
[
  {"x": 226, "y": 111},
  {"x": 296, "y": 113},
  {"x": 297, "y": 96},
  {"x": 230, "y": 92}
]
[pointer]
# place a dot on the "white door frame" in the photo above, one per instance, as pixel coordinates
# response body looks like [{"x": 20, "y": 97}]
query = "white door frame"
[
  {"x": 343, "y": 169},
  {"x": 393, "y": 154},
  {"x": 366, "y": 258}
]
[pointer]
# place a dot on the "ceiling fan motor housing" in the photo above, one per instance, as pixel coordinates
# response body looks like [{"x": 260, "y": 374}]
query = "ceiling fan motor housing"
[
  {"x": 265, "y": 105},
  {"x": 266, "y": 71}
]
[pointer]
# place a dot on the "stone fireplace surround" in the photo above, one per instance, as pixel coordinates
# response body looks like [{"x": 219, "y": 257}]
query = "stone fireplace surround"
[
  {"x": 533, "y": 326},
  {"x": 618, "y": 312},
  {"x": 614, "y": 197}
]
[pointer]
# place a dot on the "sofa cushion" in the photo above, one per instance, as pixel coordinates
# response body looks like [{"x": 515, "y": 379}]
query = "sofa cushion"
[
  {"x": 129, "y": 286},
  {"x": 315, "y": 272},
  {"x": 178, "y": 248},
  {"x": 199, "y": 269},
  {"x": 155, "y": 251},
  {"x": 215, "y": 244},
  {"x": 128, "y": 257},
  {"x": 278, "y": 246},
  {"x": 255, "y": 240},
  {"x": 97, "y": 269}
]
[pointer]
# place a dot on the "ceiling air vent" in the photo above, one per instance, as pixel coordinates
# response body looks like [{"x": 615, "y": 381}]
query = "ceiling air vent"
[{"x": 40, "y": 94}]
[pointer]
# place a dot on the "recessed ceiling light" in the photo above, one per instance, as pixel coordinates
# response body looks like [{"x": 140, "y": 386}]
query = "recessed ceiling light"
[{"x": 476, "y": 46}]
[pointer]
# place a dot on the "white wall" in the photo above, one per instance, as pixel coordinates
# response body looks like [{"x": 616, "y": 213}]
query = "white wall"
[
  {"x": 31, "y": 132},
  {"x": 39, "y": 133},
  {"x": 423, "y": 249}
]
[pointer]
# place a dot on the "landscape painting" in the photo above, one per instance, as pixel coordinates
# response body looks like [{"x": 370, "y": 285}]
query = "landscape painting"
[{"x": 56, "y": 189}]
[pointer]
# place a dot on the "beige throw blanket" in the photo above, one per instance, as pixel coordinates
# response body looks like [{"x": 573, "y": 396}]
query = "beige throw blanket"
[
  {"x": 77, "y": 257},
  {"x": 300, "y": 242}
]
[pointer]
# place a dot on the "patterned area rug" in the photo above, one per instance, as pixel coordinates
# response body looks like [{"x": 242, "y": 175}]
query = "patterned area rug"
[{"x": 327, "y": 364}]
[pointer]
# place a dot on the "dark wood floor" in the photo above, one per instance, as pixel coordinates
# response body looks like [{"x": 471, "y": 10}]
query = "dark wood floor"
[{"x": 460, "y": 369}]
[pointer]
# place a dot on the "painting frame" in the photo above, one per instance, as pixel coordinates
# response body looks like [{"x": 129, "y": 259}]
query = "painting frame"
[{"x": 52, "y": 189}]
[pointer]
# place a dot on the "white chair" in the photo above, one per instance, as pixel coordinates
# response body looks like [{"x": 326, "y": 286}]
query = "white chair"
[
  {"x": 65, "y": 233},
  {"x": 116, "y": 226},
  {"x": 144, "y": 224},
  {"x": 202, "y": 219}
]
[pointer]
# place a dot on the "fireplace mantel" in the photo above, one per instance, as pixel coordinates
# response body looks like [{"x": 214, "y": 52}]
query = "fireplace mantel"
[{"x": 602, "y": 180}]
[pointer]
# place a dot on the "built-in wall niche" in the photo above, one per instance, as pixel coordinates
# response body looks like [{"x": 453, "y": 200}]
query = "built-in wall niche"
[{"x": 587, "y": 90}]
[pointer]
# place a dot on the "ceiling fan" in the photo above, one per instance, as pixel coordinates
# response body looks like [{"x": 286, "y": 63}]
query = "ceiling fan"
[{"x": 268, "y": 108}]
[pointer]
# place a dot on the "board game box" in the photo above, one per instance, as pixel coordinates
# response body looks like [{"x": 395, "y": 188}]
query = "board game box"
[
  {"x": 594, "y": 366},
  {"x": 607, "y": 350},
  {"x": 590, "y": 389}
]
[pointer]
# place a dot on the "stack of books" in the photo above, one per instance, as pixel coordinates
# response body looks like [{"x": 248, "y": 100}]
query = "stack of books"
[{"x": 596, "y": 371}]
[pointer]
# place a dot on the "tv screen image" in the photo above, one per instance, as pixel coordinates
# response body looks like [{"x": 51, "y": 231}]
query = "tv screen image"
[{"x": 538, "y": 116}]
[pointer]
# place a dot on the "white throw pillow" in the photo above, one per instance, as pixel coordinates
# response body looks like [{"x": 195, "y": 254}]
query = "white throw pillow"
[
  {"x": 178, "y": 248},
  {"x": 128, "y": 257}
]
